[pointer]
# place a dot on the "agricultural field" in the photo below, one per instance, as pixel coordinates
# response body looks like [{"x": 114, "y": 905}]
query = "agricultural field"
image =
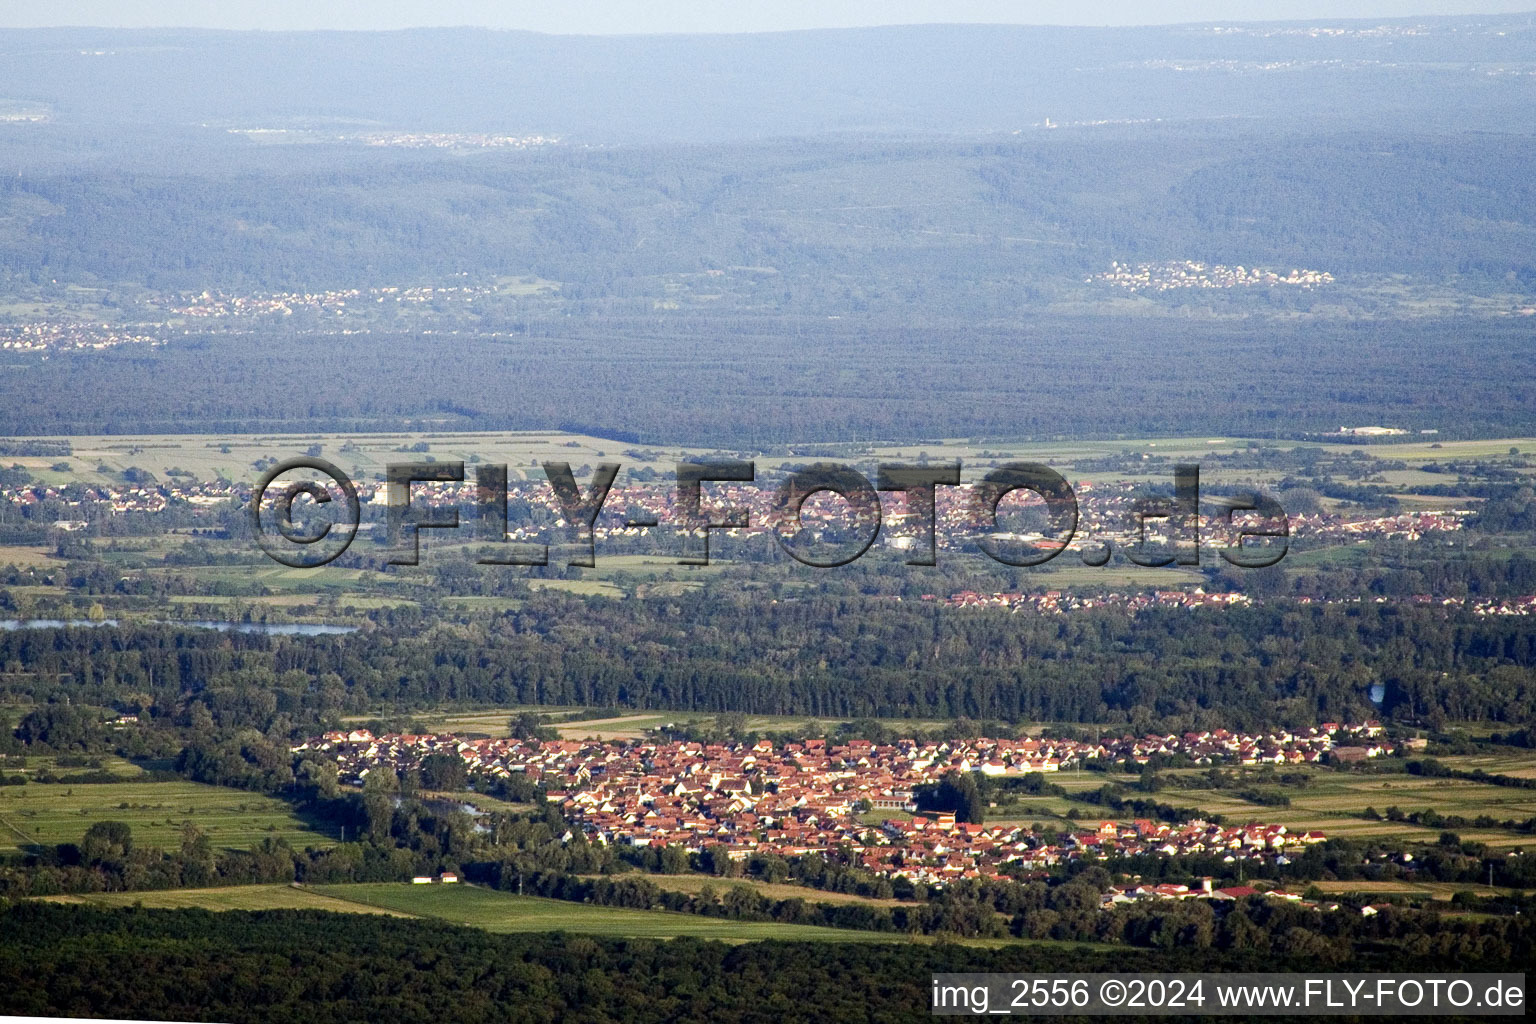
[
  {"x": 474, "y": 722},
  {"x": 48, "y": 814},
  {"x": 493, "y": 722},
  {"x": 1520, "y": 764},
  {"x": 1333, "y": 801},
  {"x": 35, "y": 765},
  {"x": 101, "y": 459},
  {"x": 582, "y": 588},
  {"x": 693, "y": 884},
  {"x": 622, "y": 727},
  {"x": 305, "y": 582},
  {"x": 24, "y": 557},
  {"x": 1443, "y": 891},
  {"x": 237, "y": 897},
  {"x": 506, "y": 912}
]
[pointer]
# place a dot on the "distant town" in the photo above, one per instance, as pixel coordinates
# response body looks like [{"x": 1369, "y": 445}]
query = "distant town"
[
  {"x": 1174, "y": 274},
  {"x": 799, "y": 798},
  {"x": 1106, "y": 515}
]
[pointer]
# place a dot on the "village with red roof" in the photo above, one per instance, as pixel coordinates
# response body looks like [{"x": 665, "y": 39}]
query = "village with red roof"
[{"x": 812, "y": 796}]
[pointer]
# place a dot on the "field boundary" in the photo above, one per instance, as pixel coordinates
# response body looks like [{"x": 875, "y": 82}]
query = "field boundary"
[
  {"x": 367, "y": 903},
  {"x": 29, "y": 840}
]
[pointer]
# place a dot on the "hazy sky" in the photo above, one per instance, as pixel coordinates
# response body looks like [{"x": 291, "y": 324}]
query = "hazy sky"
[{"x": 630, "y": 16}]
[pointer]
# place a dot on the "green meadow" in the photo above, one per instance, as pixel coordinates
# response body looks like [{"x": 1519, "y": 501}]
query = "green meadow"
[
  {"x": 506, "y": 912},
  {"x": 235, "y": 897},
  {"x": 1333, "y": 802},
  {"x": 52, "y": 813}
]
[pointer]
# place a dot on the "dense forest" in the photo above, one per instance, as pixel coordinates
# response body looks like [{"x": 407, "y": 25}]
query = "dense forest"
[
  {"x": 823, "y": 655},
  {"x": 240, "y": 966},
  {"x": 742, "y": 384}
]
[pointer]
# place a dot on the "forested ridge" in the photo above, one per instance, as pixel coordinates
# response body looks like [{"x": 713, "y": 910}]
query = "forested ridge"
[
  {"x": 830, "y": 264},
  {"x": 804, "y": 289},
  {"x": 886, "y": 218}
]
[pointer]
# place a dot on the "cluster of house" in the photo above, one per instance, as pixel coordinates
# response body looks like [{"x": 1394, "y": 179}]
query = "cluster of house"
[
  {"x": 1510, "y": 606},
  {"x": 450, "y": 140},
  {"x": 118, "y": 500},
  {"x": 49, "y": 335},
  {"x": 400, "y": 140},
  {"x": 1107, "y": 513},
  {"x": 1320, "y": 31},
  {"x": 936, "y": 849},
  {"x": 221, "y": 304},
  {"x": 814, "y": 796},
  {"x": 1136, "y": 892},
  {"x": 72, "y": 335},
  {"x": 1404, "y": 526},
  {"x": 1053, "y": 602},
  {"x": 1375, "y": 430},
  {"x": 1173, "y": 274}
]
